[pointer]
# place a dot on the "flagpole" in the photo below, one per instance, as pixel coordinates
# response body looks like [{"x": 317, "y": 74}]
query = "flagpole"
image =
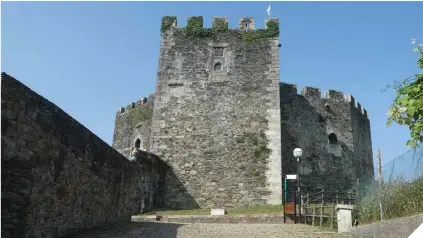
[{"x": 269, "y": 14}]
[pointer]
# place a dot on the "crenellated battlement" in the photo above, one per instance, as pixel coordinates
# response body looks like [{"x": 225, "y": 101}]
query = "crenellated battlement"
[
  {"x": 218, "y": 23},
  {"x": 349, "y": 98},
  {"x": 246, "y": 23},
  {"x": 142, "y": 102},
  {"x": 329, "y": 95}
]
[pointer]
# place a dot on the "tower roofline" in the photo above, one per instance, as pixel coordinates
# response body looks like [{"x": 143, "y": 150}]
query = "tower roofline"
[
  {"x": 329, "y": 95},
  {"x": 244, "y": 23}
]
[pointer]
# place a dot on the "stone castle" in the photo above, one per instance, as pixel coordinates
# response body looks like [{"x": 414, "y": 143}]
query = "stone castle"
[
  {"x": 226, "y": 126},
  {"x": 218, "y": 131}
]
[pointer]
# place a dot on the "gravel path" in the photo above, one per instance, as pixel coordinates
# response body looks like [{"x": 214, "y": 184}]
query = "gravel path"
[{"x": 198, "y": 230}]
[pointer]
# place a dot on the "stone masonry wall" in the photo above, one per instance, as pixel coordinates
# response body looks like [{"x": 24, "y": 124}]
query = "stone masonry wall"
[
  {"x": 133, "y": 123},
  {"x": 362, "y": 141},
  {"x": 150, "y": 182},
  {"x": 307, "y": 120},
  {"x": 216, "y": 119},
  {"x": 57, "y": 177}
]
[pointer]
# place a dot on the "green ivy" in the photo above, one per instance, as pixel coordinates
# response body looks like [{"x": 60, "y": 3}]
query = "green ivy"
[
  {"x": 219, "y": 26},
  {"x": 195, "y": 28},
  {"x": 167, "y": 22},
  {"x": 271, "y": 31}
]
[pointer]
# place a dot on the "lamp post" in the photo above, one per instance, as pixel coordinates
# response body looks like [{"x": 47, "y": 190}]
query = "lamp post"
[{"x": 297, "y": 154}]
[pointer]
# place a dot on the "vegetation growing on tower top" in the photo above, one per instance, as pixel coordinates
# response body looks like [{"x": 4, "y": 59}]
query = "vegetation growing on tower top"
[
  {"x": 271, "y": 31},
  {"x": 220, "y": 26},
  {"x": 167, "y": 22},
  {"x": 195, "y": 29}
]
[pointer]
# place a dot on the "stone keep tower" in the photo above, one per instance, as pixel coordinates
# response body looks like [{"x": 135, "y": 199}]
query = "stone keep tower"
[
  {"x": 216, "y": 117},
  {"x": 226, "y": 126}
]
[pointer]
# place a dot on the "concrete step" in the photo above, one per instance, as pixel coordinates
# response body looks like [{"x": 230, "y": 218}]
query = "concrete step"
[{"x": 245, "y": 218}]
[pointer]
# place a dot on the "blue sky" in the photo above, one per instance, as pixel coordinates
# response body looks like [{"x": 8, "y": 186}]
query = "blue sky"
[{"x": 90, "y": 58}]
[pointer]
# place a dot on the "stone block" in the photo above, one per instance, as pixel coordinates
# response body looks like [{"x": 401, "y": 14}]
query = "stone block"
[
  {"x": 217, "y": 212},
  {"x": 344, "y": 217}
]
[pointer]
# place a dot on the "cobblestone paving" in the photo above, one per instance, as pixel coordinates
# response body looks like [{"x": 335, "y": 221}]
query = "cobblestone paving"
[{"x": 198, "y": 230}]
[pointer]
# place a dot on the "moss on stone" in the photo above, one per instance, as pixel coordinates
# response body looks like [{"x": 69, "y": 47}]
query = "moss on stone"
[
  {"x": 240, "y": 139},
  {"x": 141, "y": 114},
  {"x": 257, "y": 145},
  {"x": 133, "y": 117},
  {"x": 167, "y": 22},
  {"x": 220, "y": 26},
  {"x": 271, "y": 31},
  {"x": 195, "y": 28}
]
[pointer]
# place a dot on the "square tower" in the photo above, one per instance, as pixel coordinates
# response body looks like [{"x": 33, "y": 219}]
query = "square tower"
[{"x": 216, "y": 116}]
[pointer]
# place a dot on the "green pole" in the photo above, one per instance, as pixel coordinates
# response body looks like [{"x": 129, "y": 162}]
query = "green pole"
[{"x": 284, "y": 190}]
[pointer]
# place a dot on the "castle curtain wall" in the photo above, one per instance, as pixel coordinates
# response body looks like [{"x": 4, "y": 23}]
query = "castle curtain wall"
[{"x": 59, "y": 178}]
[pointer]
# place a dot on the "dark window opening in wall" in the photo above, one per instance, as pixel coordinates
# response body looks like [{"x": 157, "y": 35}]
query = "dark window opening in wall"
[
  {"x": 333, "y": 139},
  {"x": 218, "y": 66},
  {"x": 133, "y": 105},
  {"x": 137, "y": 143},
  {"x": 246, "y": 27},
  {"x": 327, "y": 106}
]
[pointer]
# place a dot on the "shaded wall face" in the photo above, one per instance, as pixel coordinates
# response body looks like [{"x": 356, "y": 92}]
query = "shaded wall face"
[
  {"x": 57, "y": 176},
  {"x": 362, "y": 145},
  {"x": 150, "y": 179},
  {"x": 131, "y": 138},
  {"x": 211, "y": 125},
  {"x": 306, "y": 122}
]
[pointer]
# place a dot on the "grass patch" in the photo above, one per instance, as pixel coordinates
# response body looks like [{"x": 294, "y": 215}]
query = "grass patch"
[
  {"x": 261, "y": 209},
  {"x": 399, "y": 199}
]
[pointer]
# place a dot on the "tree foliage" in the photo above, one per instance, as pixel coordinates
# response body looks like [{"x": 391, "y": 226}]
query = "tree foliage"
[{"x": 407, "y": 108}]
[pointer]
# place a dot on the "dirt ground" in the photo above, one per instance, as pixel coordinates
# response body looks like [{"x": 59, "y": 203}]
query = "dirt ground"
[{"x": 199, "y": 230}]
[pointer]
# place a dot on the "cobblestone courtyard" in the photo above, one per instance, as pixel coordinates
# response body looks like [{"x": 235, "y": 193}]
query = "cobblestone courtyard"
[{"x": 198, "y": 230}]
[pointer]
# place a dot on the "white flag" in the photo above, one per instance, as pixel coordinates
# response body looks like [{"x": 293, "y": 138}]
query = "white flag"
[{"x": 268, "y": 10}]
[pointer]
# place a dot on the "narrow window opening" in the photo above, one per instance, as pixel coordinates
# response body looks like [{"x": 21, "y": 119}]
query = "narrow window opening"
[
  {"x": 137, "y": 143},
  {"x": 333, "y": 139},
  {"x": 218, "y": 66},
  {"x": 327, "y": 106},
  {"x": 133, "y": 105}
]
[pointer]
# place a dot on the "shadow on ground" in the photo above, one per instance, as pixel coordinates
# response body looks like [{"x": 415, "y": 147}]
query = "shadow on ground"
[{"x": 132, "y": 230}]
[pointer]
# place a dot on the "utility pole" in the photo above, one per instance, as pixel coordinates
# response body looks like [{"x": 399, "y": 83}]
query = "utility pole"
[{"x": 379, "y": 166}]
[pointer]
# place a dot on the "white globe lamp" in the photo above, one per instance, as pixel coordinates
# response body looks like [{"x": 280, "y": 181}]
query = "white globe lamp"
[{"x": 298, "y": 152}]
